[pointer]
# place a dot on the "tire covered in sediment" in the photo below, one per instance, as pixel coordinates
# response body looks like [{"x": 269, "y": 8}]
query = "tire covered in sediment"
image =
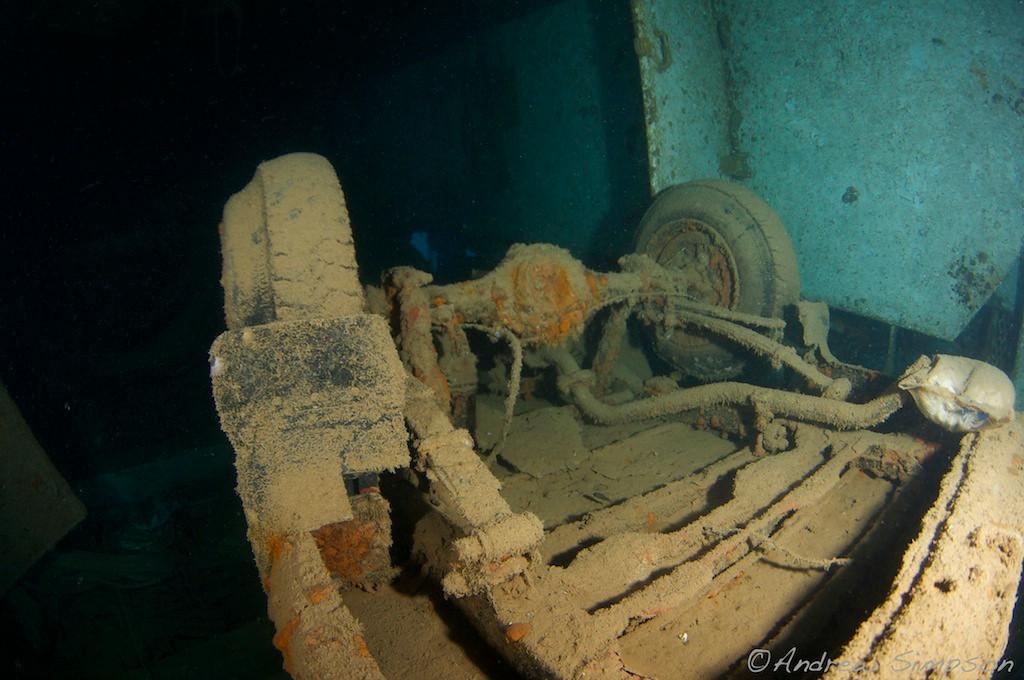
[
  {"x": 740, "y": 255},
  {"x": 287, "y": 246}
]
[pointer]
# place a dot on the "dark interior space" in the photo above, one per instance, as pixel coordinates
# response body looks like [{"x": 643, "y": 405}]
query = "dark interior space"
[
  {"x": 127, "y": 126},
  {"x": 127, "y": 131}
]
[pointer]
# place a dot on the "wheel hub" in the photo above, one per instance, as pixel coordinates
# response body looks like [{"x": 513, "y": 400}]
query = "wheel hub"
[{"x": 692, "y": 247}]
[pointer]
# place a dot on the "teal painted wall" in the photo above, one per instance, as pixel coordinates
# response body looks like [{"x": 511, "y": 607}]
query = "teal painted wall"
[{"x": 888, "y": 136}]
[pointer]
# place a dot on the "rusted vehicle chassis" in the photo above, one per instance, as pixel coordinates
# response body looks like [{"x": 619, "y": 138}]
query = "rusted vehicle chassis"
[{"x": 321, "y": 385}]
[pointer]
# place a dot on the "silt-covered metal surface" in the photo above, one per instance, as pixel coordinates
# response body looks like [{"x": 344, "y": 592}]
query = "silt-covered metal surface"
[{"x": 890, "y": 140}]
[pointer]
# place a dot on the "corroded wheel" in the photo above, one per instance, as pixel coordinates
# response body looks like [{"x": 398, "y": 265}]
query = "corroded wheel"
[
  {"x": 287, "y": 246},
  {"x": 737, "y": 255},
  {"x": 310, "y": 391}
]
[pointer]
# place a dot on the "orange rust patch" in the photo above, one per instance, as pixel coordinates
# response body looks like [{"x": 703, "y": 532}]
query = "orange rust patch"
[
  {"x": 318, "y": 595},
  {"x": 282, "y": 640},
  {"x": 733, "y": 583},
  {"x": 361, "y": 647},
  {"x": 343, "y": 547},
  {"x": 442, "y": 382},
  {"x": 517, "y": 631},
  {"x": 278, "y": 546},
  {"x": 544, "y": 305},
  {"x": 723, "y": 278},
  {"x": 438, "y": 301},
  {"x": 651, "y": 521}
]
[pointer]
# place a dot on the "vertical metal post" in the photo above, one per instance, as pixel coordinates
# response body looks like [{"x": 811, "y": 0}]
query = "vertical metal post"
[{"x": 1018, "y": 361}]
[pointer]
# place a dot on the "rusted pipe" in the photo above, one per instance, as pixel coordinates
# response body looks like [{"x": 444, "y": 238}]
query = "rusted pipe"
[
  {"x": 774, "y": 351},
  {"x": 837, "y": 414},
  {"x": 609, "y": 347},
  {"x": 405, "y": 287}
]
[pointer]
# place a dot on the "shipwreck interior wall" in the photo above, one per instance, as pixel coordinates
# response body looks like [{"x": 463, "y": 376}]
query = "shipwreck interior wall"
[
  {"x": 889, "y": 138},
  {"x": 888, "y": 135}
]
